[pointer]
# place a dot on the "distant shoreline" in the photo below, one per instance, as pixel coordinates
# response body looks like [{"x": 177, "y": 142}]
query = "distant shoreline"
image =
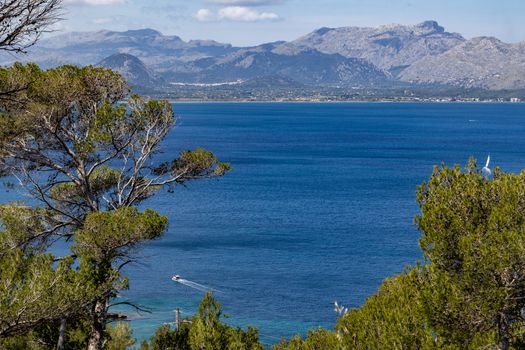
[{"x": 329, "y": 102}]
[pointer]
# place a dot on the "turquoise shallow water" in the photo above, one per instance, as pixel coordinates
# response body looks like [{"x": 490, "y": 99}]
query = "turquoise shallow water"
[{"x": 319, "y": 206}]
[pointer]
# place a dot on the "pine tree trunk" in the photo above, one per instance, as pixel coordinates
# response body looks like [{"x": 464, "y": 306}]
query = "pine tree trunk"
[
  {"x": 61, "y": 334},
  {"x": 98, "y": 325},
  {"x": 504, "y": 333}
]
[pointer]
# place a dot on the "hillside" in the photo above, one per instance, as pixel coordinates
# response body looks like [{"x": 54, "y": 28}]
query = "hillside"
[
  {"x": 131, "y": 68},
  {"x": 480, "y": 62},
  {"x": 308, "y": 67},
  {"x": 389, "y": 47},
  {"x": 423, "y": 55}
]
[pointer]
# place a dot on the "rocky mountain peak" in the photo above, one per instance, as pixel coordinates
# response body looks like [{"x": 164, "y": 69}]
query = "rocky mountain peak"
[
  {"x": 481, "y": 62},
  {"x": 390, "y": 47},
  {"x": 122, "y": 58},
  {"x": 486, "y": 40},
  {"x": 131, "y": 68},
  {"x": 210, "y": 43},
  {"x": 323, "y": 30},
  {"x": 142, "y": 32},
  {"x": 430, "y": 27}
]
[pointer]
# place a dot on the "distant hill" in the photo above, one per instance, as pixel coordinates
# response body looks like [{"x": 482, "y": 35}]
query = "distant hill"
[
  {"x": 480, "y": 62},
  {"x": 152, "y": 47},
  {"x": 390, "y": 56},
  {"x": 306, "y": 67},
  {"x": 390, "y": 47},
  {"x": 131, "y": 68}
]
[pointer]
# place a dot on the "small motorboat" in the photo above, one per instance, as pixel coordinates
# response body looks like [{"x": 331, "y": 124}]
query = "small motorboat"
[{"x": 176, "y": 278}]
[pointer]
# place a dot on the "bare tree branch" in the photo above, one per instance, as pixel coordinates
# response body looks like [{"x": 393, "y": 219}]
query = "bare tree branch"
[{"x": 22, "y": 22}]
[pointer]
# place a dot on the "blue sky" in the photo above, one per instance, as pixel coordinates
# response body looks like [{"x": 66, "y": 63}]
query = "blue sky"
[{"x": 247, "y": 22}]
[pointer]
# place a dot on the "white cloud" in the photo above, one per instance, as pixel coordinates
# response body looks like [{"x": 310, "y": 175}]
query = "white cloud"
[
  {"x": 235, "y": 13},
  {"x": 245, "y": 14},
  {"x": 245, "y": 2},
  {"x": 93, "y": 2},
  {"x": 205, "y": 15}
]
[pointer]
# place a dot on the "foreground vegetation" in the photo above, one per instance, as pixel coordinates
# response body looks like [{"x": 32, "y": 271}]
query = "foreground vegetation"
[
  {"x": 85, "y": 161},
  {"x": 469, "y": 293}
]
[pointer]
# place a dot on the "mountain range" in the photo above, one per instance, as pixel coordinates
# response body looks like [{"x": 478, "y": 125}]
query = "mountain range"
[{"x": 385, "y": 56}]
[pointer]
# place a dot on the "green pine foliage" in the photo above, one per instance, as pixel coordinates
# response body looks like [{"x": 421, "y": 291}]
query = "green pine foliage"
[
  {"x": 205, "y": 331},
  {"x": 120, "y": 336},
  {"x": 166, "y": 338},
  {"x": 473, "y": 238},
  {"x": 393, "y": 318},
  {"x": 319, "y": 339},
  {"x": 85, "y": 158},
  {"x": 35, "y": 289},
  {"x": 468, "y": 293}
]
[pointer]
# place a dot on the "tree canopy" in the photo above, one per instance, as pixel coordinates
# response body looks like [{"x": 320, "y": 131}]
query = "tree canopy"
[
  {"x": 85, "y": 152},
  {"x": 473, "y": 238},
  {"x": 205, "y": 331},
  {"x": 468, "y": 293},
  {"x": 33, "y": 290}
]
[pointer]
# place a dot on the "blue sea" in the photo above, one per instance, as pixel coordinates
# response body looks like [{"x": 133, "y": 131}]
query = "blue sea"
[{"x": 319, "y": 206}]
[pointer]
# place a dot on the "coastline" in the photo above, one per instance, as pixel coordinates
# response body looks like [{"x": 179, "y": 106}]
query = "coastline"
[{"x": 339, "y": 101}]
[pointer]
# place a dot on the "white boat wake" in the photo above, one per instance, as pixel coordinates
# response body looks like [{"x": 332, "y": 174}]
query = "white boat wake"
[{"x": 194, "y": 285}]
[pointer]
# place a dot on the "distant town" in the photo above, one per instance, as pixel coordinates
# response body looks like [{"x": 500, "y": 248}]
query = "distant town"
[{"x": 240, "y": 93}]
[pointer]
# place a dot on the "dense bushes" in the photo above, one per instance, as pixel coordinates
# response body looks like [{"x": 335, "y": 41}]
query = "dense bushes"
[
  {"x": 470, "y": 291},
  {"x": 205, "y": 331}
]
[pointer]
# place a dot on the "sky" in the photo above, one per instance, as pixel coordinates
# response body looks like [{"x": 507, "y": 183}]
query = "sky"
[{"x": 251, "y": 22}]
